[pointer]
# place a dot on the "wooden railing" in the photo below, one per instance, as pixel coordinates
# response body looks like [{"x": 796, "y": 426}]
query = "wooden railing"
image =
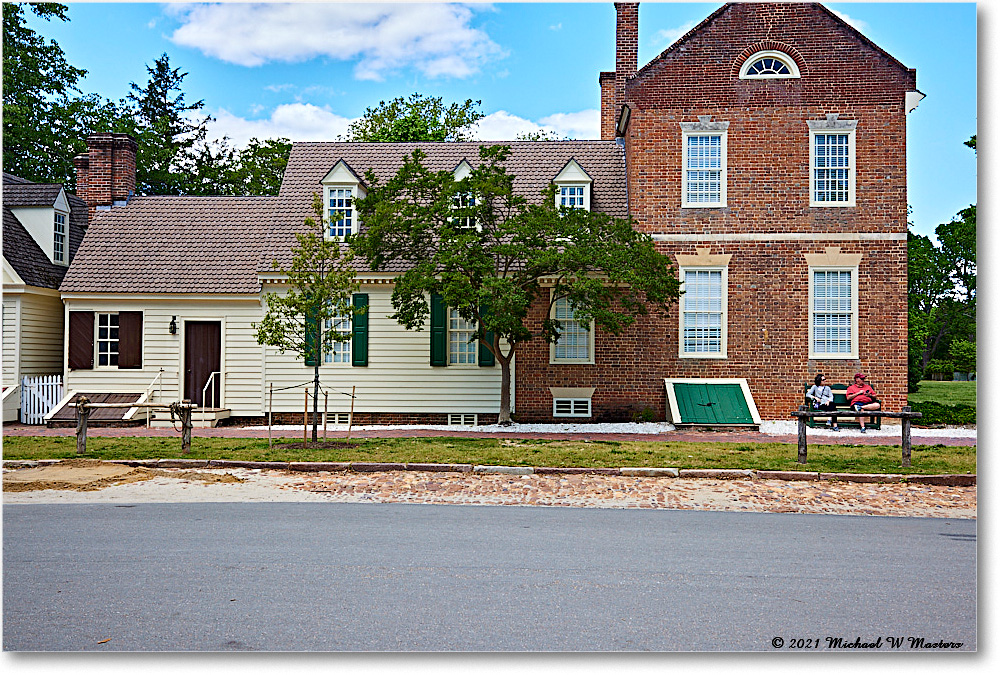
[{"x": 907, "y": 414}]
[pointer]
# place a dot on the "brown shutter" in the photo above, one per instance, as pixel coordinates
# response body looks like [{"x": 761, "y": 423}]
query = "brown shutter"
[
  {"x": 81, "y": 340},
  {"x": 130, "y": 339}
]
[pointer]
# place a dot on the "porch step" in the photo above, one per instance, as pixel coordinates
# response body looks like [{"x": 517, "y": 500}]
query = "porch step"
[{"x": 201, "y": 418}]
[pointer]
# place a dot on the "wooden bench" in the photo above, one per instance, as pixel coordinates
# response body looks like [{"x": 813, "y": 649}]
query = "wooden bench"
[{"x": 839, "y": 400}]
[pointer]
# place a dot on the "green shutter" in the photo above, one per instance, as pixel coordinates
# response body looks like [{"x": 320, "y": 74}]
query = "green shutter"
[
  {"x": 359, "y": 340},
  {"x": 712, "y": 404},
  {"x": 439, "y": 331},
  {"x": 486, "y": 358},
  {"x": 312, "y": 336}
]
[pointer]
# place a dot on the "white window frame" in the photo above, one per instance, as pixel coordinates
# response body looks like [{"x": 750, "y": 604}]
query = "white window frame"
[
  {"x": 111, "y": 342},
  {"x": 553, "y": 347},
  {"x": 682, "y": 311},
  {"x": 340, "y": 353},
  {"x": 60, "y": 237},
  {"x": 334, "y": 227},
  {"x": 833, "y": 126},
  {"x": 578, "y": 407},
  {"x": 789, "y": 62},
  {"x": 464, "y": 200},
  {"x": 455, "y": 336},
  {"x": 463, "y": 419},
  {"x": 705, "y": 128},
  {"x": 583, "y": 196},
  {"x": 853, "y": 353}
]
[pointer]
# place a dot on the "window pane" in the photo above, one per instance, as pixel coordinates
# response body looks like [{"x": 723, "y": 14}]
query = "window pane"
[
  {"x": 574, "y": 338},
  {"x": 703, "y": 311},
  {"x": 704, "y": 169},
  {"x": 462, "y": 348},
  {"x": 340, "y": 351},
  {"x": 831, "y": 167},
  {"x": 832, "y": 312},
  {"x": 341, "y": 213}
]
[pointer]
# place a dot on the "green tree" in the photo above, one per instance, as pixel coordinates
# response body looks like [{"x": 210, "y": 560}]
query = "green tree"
[
  {"x": 320, "y": 283},
  {"x": 493, "y": 272},
  {"x": 416, "y": 118},
  {"x": 45, "y": 117},
  {"x": 257, "y": 169},
  {"x": 172, "y": 152}
]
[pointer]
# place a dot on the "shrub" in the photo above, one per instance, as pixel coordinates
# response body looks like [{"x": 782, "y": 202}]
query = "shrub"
[
  {"x": 940, "y": 366},
  {"x": 963, "y": 355},
  {"x": 938, "y": 413}
]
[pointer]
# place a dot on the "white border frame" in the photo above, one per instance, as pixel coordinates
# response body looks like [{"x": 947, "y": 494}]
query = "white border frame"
[
  {"x": 724, "y": 354},
  {"x": 853, "y": 354},
  {"x": 674, "y": 411},
  {"x": 852, "y": 169},
  {"x": 723, "y": 178},
  {"x": 590, "y": 407},
  {"x": 772, "y": 54}
]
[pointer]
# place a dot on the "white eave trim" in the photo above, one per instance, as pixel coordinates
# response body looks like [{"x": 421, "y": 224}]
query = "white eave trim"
[{"x": 912, "y": 100}]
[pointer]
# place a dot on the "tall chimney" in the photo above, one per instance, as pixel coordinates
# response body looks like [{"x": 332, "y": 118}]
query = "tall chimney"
[
  {"x": 626, "y": 49},
  {"x": 105, "y": 175}
]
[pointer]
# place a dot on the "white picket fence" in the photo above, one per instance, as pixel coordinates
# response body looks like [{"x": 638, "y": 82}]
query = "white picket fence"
[{"x": 38, "y": 396}]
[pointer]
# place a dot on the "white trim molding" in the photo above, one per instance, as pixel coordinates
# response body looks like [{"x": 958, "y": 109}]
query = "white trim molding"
[
  {"x": 833, "y": 127},
  {"x": 704, "y": 128}
]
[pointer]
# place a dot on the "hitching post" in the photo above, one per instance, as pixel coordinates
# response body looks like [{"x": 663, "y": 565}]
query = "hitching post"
[
  {"x": 906, "y": 435},
  {"x": 802, "y": 436},
  {"x": 186, "y": 410},
  {"x": 82, "y": 414}
]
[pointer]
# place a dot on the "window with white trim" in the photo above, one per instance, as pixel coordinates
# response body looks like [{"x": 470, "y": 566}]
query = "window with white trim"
[
  {"x": 462, "y": 344},
  {"x": 703, "y": 313},
  {"x": 59, "y": 238},
  {"x": 464, "y": 200},
  {"x": 833, "y": 313},
  {"x": 832, "y": 162},
  {"x": 571, "y": 407},
  {"x": 107, "y": 339},
  {"x": 340, "y": 352},
  {"x": 769, "y": 65},
  {"x": 704, "y": 176},
  {"x": 572, "y": 196},
  {"x": 340, "y": 212},
  {"x": 575, "y": 343}
]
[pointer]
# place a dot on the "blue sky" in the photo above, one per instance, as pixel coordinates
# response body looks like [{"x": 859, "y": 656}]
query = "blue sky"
[{"x": 305, "y": 70}]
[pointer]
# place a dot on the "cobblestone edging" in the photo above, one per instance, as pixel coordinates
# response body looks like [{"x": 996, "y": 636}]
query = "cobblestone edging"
[{"x": 952, "y": 480}]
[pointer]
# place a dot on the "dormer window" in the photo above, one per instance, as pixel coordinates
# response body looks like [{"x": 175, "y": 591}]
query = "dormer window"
[
  {"x": 465, "y": 202},
  {"x": 59, "y": 238},
  {"x": 573, "y": 187},
  {"x": 340, "y": 213},
  {"x": 769, "y": 65},
  {"x": 341, "y": 187}
]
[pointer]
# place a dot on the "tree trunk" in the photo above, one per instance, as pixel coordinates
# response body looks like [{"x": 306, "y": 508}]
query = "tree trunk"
[{"x": 315, "y": 397}]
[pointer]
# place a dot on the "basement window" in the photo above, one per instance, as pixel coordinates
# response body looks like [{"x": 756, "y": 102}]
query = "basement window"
[
  {"x": 463, "y": 419},
  {"x": 571, "y": 407}
]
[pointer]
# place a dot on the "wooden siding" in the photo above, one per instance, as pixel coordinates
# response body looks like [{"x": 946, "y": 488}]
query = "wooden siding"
[
  {"x": 41, "y": 335},
  {"x": 11, "y": 316}
]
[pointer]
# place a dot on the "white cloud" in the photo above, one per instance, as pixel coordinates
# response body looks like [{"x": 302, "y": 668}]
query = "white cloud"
[
  {"x": 437, "y": 40},
  {"x": 665, "y": 37},
  {"x": 856, "y": 23},
  {"x": 503, "y": 126},
  {"x": 295, "y": 121}
]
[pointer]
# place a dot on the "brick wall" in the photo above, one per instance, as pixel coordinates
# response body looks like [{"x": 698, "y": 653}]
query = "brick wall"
[{"x": 768, "y": 194}]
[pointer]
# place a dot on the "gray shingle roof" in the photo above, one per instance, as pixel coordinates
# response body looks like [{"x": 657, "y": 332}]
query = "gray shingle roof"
[
  {"x": 220, "y": 244},
  {"x": 533, "y": 163},
  {"x": 174, "y": 245},
  {"x": 19, "y": 248}
]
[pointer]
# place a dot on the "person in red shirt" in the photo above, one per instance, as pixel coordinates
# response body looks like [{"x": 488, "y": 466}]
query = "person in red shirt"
[{"x": 861, "y": 396}]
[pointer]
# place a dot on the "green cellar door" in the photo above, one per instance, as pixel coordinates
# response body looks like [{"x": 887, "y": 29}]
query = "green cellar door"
[{"x": 712, "y": 404}]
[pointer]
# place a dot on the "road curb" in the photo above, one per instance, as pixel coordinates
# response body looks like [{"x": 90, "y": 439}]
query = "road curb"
[{"x": 948, "y": 480}]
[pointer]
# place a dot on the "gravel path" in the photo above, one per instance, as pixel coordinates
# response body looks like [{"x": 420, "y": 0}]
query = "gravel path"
[{"x": 573, "y": 490}]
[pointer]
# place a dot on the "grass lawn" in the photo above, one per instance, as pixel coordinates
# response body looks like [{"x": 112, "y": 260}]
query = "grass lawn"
[
  {"x": 946, "y": 393},
  {"x": 510, "y": 452}
]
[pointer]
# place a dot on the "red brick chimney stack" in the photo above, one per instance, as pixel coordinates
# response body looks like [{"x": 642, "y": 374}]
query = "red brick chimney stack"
[
  {"x": 627, "y": 49},
  {"x": 105, "y": 175}
]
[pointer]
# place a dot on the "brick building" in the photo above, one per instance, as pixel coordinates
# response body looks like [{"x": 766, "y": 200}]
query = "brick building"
[{"x": 765, "y": 152}]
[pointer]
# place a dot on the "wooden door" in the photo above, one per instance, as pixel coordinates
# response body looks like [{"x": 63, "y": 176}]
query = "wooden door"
[{"x": 202, "y": 357}]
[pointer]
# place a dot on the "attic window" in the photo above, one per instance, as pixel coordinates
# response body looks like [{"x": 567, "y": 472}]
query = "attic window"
[{"x": 769, "y": 65}]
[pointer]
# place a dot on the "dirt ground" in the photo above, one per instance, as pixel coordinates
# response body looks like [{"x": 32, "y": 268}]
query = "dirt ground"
[{"x": 86, "y": 481}]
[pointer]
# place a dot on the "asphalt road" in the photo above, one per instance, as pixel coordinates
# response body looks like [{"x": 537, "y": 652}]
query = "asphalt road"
[{"x": 359, "y": 577}]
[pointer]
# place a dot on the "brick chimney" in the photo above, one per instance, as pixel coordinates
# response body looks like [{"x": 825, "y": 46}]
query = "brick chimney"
[
  {"x": 626, "y": 49},
  {"x": 105, "y": 175}
]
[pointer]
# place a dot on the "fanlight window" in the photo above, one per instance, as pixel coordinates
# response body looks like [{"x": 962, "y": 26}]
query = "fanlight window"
[{"x": 764, "y": 65}]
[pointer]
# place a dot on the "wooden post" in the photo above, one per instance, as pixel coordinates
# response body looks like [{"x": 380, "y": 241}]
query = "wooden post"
[
  {"x": 326, "y": 409},
  {"x": 82, "y": 415},
  {"x": 186, "y": 412},
  {"x": 906, "y": 436},
  {"x": 305, "y": 418},
  {"x": 270, "y": 411},
  {"x": 350, "y": 417},
  {"x": 802, "y": 436}
]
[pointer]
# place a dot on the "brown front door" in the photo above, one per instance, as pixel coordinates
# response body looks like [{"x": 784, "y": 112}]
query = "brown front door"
[{"x": 202, "y": 352}]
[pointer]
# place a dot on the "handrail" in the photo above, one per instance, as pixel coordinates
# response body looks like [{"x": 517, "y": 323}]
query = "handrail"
[
  {"x": 149, "y": 389},
  {"x": 204, "y": 390}
]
